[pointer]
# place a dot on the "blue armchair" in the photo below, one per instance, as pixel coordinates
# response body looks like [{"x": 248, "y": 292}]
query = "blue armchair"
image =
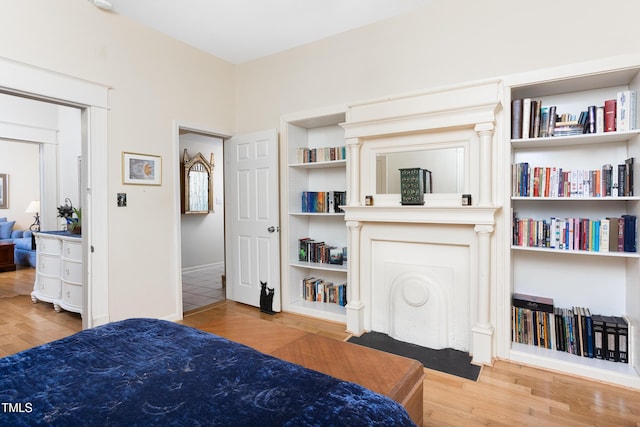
[{"x": 24, "y": 252}]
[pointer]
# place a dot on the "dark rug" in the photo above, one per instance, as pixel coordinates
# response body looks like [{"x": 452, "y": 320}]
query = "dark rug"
[{"x": 447, "y": 360}]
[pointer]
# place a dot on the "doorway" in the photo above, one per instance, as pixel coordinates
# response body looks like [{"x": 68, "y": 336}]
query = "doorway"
[{"x": 202, "y": 234}]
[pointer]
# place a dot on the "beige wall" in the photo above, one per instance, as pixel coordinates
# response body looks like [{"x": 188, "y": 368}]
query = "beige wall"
[
  {"x": 155, "y": 81},
  {"x": 446, "y": 42}
]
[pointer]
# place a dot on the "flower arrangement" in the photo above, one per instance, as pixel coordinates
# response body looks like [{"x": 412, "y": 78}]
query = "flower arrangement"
[{"x": 67, "y": 211}]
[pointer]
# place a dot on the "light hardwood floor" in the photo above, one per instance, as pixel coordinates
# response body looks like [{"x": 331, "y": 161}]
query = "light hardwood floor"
[{"x": 505, "y": 394}]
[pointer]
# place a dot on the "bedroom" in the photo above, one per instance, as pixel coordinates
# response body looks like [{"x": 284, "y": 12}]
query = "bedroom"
[
  {"x": 405, "y": 54},
  {"x": 393, "y": 57}
]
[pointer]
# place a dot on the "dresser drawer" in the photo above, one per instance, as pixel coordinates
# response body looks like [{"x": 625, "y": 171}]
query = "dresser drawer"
[
  {"x": 49, "y": 246},
  {"x": 48, "y": 287},
  {"x": 48, "y": 265},
  {"x": 72, "y": 250},
  {"x": 72, "y": 271},
  {"x": 71, "y": 296}
]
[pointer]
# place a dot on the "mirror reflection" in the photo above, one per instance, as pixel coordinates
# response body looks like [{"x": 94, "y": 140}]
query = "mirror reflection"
[
  {"x": 198, "y": 189},
  {"x": 197, "y": 184},
  {"x": 445, "y": 164}
]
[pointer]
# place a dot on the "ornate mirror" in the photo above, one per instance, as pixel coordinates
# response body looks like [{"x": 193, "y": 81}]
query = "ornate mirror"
[{"x": 197, "y": 184}]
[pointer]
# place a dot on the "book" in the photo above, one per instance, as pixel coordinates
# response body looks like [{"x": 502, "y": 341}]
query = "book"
[
  {"x": 526, "y": 117},
  {"x": 590, "y": 124},
  {"x": 621, "y": 180},
  {"x": 552, "y": 120},
  {"x": 303, "y": 248},
  {"x": 578, "y": 330},
  {"x": 623, "y": 339},
  {"x": 628, "y": 176},
  {"x": 629, "y": 233},
  {"x": 605, "y": 235},
  {"x": 588, "y": 331},
  {"x": 626, "y": 110},
  {"x": 536, "y": 107},
  {"x": 335, "y": 255},
  {"x": 607, "y": 180},
  {"x": 598, "y": 336},
  {"x": 610, "y": 115},
  {"x": 516, "y": 118},
  {"x": 613, "y": 234},
  {"x": 610, "y": 338},
  {"x": 600, "y": 120},
  {"x": 532, "y": 302}
]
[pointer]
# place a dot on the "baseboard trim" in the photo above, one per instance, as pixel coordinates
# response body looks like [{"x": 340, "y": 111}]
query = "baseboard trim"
[{"x": 202, "y": 267}]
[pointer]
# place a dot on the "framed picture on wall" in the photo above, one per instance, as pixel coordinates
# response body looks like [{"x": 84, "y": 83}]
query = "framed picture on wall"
[
  {"x": 141, "y": 169},
  {"x": 4, "y": 191}
]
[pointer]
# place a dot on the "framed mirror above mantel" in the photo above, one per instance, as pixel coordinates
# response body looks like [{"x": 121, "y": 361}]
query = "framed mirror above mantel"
[
  {"x": 457, "y": 123},
  {"x": 446, "y": 156}
]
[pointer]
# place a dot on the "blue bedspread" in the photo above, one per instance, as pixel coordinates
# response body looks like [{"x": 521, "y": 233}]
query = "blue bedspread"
[{"x": 146, "y": 372}]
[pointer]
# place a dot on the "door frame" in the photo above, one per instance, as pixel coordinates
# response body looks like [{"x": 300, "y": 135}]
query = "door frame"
[
  {"x": 91, "y": 98},
  {"x": 177, "y": 127}
]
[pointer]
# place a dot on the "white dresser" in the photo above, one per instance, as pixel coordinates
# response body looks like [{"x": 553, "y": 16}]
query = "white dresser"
[{"x": 59, "y": 270}]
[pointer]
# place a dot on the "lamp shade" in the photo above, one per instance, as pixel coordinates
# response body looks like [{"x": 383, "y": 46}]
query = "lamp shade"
[{"x": 34, "y": 207}]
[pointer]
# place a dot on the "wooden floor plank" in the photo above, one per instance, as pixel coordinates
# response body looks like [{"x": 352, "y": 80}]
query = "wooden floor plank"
[{"x": 505, "y": 394}]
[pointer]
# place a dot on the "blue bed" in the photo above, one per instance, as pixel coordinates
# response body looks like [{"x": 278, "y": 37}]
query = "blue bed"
[{"x": 146, "y": 372}]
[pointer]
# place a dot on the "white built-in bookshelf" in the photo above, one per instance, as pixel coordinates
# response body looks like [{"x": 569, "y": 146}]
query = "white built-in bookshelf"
[
  {"x": 319, "y": 130},
  {"x": 606, "y": 282}
]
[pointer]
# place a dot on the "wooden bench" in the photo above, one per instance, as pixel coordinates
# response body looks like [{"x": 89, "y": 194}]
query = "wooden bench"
[{"x": 397, "y": 377}]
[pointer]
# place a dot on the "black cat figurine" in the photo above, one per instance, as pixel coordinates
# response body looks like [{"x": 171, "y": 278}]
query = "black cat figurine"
[{"x": 266, "y": 298}]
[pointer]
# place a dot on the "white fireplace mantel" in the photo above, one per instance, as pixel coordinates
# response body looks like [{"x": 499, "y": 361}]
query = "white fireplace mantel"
[
  {"x": 469, "y": 215},
  {"x": 412, "y": 239}
]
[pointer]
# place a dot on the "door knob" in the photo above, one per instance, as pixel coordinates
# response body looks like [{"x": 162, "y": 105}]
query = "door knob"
[{"x": 272, "y": 229}]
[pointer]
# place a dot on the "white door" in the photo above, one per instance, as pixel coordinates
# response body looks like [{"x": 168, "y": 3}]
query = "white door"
[{"x": 252, "y": 217}]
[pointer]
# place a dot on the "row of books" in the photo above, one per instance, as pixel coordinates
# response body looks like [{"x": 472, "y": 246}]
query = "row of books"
[
  {"x": 323, "y": 201},
  {"x": 612, "y": 234},
  {"x": 320, "y": 290},
  {"x": 323, "y": 154},
  {"x": 315, "y": 251},
  {"x": 530, "y": 119},
  {"x": 536, "y": 321},
  {"x": 552, "y": 181}
]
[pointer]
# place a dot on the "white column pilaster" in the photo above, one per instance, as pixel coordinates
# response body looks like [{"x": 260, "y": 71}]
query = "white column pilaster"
[
  {"x": 353, "y": 171},
  {"x": 355, "y": 308},
  {"x": 482, "y": 331},
  {"x": 485, "y": 133}
]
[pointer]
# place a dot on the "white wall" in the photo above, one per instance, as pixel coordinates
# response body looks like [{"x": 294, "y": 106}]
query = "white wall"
[
  {"x": 20, "y": 161},
  {"x": 203, "y": 235},
  {"x": 69, "y": 140},
  {"x": 446, "y": 42}
]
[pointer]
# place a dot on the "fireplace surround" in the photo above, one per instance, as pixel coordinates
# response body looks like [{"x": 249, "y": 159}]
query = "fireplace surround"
[{"x": 422, "y": 274}]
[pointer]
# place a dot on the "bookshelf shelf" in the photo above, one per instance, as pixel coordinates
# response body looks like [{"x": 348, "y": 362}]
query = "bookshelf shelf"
[
  {"x": 319, "y": 266},
  {"x": 320, "y": 165},
  {"x": 327, "y": 311},
  {"x": 314, "y": 131},
  {"x": 581, "y": 140},
  {"x": 575, "y": 199},
  {"x": 614, "y": 372},
  {"x": 575, "y": 277},
  {"x": 574, "y": 252},
  {"x": 338, "y": 214}
]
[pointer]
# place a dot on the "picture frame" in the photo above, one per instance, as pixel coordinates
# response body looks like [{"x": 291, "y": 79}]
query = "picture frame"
[
  {"x": 141, "y": 169},
  {"x": 4, "y": 191}
]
